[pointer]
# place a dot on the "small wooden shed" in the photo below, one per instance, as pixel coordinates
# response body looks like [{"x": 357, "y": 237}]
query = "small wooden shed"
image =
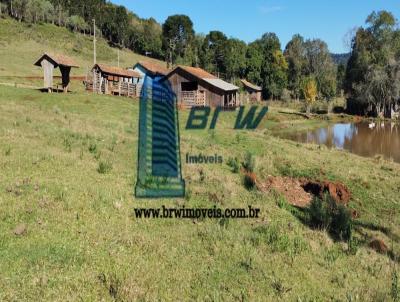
[
  {"x": 253, "y": 91},
  {"x": 50, "y": 61},
  {"x": 113, "y": 80},
  {"x": 196, "y": 87}
]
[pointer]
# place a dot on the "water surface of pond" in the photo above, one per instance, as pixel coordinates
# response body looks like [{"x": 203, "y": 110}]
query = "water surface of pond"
[{"x": 365, "y": 139}]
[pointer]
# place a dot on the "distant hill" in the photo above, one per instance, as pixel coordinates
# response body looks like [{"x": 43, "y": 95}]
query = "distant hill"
[{"x": 340, "y": 58}]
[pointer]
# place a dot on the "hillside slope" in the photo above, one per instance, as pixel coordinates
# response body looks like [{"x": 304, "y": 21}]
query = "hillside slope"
[
  {"x": 21, "y": 44},
  {"x": 81, "y": 242}
]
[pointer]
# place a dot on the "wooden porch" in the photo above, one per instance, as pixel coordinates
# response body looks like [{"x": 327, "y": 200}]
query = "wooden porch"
[
  {"x": 195, "y": 98},
  {"x": 97, "y": 83}
]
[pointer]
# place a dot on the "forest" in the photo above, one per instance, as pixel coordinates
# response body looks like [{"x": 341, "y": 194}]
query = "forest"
[{"x": 369, "y": 77}]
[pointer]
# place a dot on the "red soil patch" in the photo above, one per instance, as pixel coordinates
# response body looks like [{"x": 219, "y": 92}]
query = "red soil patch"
[
  {"x": 300, "y": 192},
  {"x": 379, "y": 246},
  {"x": 290, "y": 188}
]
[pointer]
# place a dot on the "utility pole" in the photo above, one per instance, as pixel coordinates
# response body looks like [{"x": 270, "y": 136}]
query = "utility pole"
[
  {"x": 94, "y": 56},
  {"x": 118, "y": 56},
  {"x": 94, "y": 41}
]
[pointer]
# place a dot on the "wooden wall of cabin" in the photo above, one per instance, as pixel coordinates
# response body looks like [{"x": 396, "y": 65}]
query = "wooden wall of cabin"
[
  {"x": 48, "y": 69},
  {"x": 214, "y": 97}
]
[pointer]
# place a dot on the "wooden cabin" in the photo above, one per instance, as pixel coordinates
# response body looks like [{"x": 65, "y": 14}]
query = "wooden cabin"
[
  {"x": 196, "y": 87},
  {"x": 253, "y": 92},
  {"x": 106, "y": 79},
  {"x": 51, "y": 61}
]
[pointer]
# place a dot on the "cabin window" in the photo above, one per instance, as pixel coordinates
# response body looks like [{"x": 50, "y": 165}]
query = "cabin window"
[{"x": 189, "y": 86}]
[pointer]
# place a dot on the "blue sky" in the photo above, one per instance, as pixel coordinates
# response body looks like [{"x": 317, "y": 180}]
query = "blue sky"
[{"x": 249, "y": 19}]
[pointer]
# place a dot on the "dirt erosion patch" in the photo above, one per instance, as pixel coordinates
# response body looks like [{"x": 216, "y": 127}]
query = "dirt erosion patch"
[
  {"x": 300, "y": 192},
  {"x": 378, "y": 245}
]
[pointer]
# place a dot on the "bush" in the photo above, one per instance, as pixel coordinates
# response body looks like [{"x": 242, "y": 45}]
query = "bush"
[
  {"x": 249, "y": 163},
  {"x": 249, "y": 180},
  {"x": 325, "y": 213},
  {"x": 320, "y": 213},
  {"x": 104, "y": 167},
  {"x": 234, "y": 164},
  {"x": 93, "y": 148},
  {"x": 341, "y": 222}
]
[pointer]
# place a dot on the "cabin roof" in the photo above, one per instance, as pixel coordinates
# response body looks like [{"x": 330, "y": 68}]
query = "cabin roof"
[
  {"x": 250, "y": 85},
  {"x": 154, "y": 68},
  {"x": 57, "y": 59},
  {"x": 118, "y": 71},
  {"x": 198, "y": 72},
  {"x": 221, "y": 84},
  {"x": 206, "y": 77}
]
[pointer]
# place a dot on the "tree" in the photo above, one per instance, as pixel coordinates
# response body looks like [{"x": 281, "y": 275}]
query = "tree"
[
  {"x": 38, "y": 10},
  {"x": 19, "y": 9},
  {"x": 372, "y": 76},
  {"x": 274, "y": 66},
  {"x": 76, "y": 23},
  {"x": 340, "y": 78},
  {"x": 310, "y": 92},
  {"x": 234, "y": 59},
  {"x": 254, "y": 60},
  {"x": 178, "y": 33},
  {"x": 213, "y": 52},
  {"x": 321, "y": 66},
  {"x": 295, "y": 54},
  {"x": 3, "y": 9}
]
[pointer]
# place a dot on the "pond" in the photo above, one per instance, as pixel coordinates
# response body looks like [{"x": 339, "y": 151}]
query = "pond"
[{"x": 365, "y": 139}]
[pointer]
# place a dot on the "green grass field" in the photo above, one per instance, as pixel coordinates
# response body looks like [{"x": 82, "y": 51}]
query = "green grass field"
[
  {"x": 82, "y": 241},
  {"x": 68, "y": 171}
]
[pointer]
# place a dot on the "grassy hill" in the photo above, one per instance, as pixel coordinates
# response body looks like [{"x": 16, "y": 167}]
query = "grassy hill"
[
  {"x": 82, "y": 241},
  {"x": 22, "y": 44},
  {"x": 67, "y": 229}
]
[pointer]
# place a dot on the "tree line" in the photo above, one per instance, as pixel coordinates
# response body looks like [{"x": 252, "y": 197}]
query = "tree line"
[
  {"x": 372, "y": 80},
  {"x": 303, "y": 69}
]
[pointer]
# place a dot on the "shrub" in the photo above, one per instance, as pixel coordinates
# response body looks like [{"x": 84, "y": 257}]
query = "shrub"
[
  {"x": 319, "y": 213},
  {"x": 341, "y": 222},
  {"x": 104, "y": 167},
  {"x": 92, "y": 148},
  {"x": 234, "y": 164},
  {"x": 249, "y": 163},
  {"x": 325, "y": 213},
  {"x": 249, "y": 180}
]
